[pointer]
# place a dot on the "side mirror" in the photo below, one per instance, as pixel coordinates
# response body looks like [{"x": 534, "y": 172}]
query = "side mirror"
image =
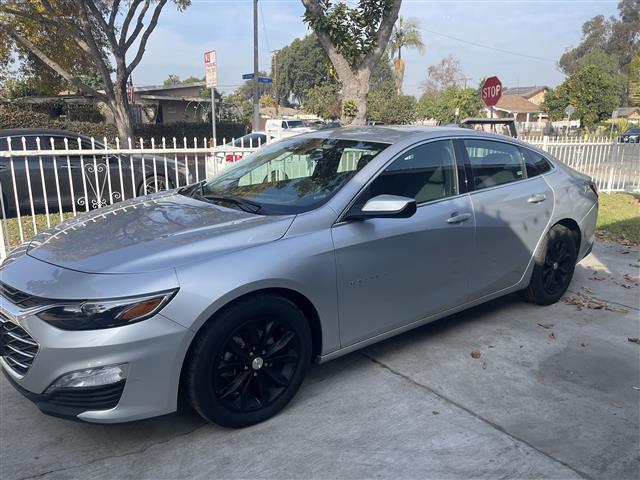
[{"x": 389, "y": 206}]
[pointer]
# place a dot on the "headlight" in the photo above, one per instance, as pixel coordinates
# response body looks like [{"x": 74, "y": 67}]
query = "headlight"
[{"x": 99, "y": 314}]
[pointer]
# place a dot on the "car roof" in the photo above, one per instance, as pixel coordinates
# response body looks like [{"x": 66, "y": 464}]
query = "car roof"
[
  {"x": 397, "y": 133},
  {"x": 20, "y": 132}
]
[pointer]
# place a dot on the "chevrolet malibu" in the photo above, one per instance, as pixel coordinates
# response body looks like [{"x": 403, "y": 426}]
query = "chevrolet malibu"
[{"x": 225, "y": 291}]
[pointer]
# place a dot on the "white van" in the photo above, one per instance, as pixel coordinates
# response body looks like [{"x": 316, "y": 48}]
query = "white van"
[{"x": 285, "y": 127}]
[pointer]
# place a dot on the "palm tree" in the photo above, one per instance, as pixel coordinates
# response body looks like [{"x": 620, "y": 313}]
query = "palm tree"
[{"x": 406, "y": 33}]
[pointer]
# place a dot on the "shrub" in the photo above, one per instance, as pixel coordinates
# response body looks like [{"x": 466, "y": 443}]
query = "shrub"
[{"x": 12, "y": 116}]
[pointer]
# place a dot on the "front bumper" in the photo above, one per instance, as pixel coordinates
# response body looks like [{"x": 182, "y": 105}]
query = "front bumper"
[
  {"x": 153, "y": 350},
  {"x": 71, "y": 402}
]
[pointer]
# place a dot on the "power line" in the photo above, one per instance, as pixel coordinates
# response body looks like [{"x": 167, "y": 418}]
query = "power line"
[
  {"x": 264, "y": 28},
  {"x": 488, "y": 47}
]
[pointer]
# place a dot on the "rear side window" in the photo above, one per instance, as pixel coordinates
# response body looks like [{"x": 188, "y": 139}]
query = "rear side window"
[
  {"x": 494, "y": 163},
  {"x": 536, "y": 163}
]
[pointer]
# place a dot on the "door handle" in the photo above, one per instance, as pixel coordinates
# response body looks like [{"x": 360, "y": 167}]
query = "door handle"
[
  {"x": 537, "y": 198},
  {"x": 458, "y": 217}
]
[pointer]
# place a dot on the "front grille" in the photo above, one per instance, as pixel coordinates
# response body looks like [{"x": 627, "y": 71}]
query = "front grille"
[
  {"x": 18, "y": 298},
  {"x": 17, "y": 348}
]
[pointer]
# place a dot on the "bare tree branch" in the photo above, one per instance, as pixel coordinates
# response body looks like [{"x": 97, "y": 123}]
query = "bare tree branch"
[
  {"x": 146, "y": 34},
  {"x": 139, "y": 25},
  {"x": 124, "y": 30},
  {"x": 96, "y": 51},
  {"x": 50, "y": 63},
  {"x": 114, "y": 14},
  {"x": 97, "y": 14}
]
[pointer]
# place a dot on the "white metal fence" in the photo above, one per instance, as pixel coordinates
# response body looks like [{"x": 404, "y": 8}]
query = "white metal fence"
[
  {"x": 45, "y": 180},
  {"x": 615, "y": 167}
]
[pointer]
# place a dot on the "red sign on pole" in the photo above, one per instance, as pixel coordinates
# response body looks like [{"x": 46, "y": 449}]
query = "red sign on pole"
[
  {"x": 210, "y": 68},
  {"x": 491, "y": 91},
  {"x": 130, "y": 92}
]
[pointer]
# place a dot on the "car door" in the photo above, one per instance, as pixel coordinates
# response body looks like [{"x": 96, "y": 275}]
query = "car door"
[
  {"x": 512, "y": 211},
  {"x": 395, "y": 271}
]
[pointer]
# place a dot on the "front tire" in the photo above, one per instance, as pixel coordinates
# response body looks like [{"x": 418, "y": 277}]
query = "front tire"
[
  {"x": 154, "y": 184},
  {"x": 249, "y": 361},
  {"x": 554, "y": 265}
]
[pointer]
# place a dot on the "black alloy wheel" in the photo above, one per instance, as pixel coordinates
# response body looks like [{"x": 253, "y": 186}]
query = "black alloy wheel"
[
  {"x": 248, "y": 361},
  {"x": 554, "y": 264},
  {"x": 557, "y": 268},
  {"x": 256, "y": 364}
]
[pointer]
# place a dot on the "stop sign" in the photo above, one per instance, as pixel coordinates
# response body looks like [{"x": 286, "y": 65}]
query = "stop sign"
[{"x": 491, "y": 91}]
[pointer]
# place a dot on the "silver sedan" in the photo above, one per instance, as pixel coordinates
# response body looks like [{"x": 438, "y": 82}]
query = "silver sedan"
[{"x": 224, "y": 292}]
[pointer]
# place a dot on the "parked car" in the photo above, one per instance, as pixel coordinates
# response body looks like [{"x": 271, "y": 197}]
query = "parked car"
[
  {"x": 285, "y": 127},
  {"x": 236, "y": 149},
  {"x": 222, "y": 293},
  {"x": 630, "y": 136},
  {"x": 91, "y": 179},
  {"x": 313, "y": 124}
]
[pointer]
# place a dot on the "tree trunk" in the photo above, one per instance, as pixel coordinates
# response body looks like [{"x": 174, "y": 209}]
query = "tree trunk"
[
  {"x": 119, "y": 105},
  {"x": 354, "y": 97}
]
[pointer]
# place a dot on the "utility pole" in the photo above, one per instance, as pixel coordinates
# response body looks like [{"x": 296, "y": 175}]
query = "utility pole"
[
  {"x": 256, "y": 85},
  {"x": 275, "y": 80}
]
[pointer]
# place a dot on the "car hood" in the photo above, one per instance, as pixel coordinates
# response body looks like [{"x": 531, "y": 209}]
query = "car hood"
[{"x": 152, "y": 233}]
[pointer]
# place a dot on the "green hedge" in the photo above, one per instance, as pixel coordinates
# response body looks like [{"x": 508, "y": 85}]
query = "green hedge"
[{"x": 14, "y": 117}]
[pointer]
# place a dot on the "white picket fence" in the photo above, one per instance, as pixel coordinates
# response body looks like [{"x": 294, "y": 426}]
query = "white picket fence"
[
  {"x": 615, "y": 167},
  {"x": 43, "y": 181}
]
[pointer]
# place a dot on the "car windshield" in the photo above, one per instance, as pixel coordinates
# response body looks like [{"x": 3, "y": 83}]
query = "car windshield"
[
  {"x": 294, "y": 124},
  {"x": 633, "y": 131},
  {"x": 291, "y": 176}
]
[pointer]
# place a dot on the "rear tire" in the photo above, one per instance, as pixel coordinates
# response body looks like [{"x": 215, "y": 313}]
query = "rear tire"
[
  {"x": 249, "y": 361},
  {"x": 554, "y": 264}
]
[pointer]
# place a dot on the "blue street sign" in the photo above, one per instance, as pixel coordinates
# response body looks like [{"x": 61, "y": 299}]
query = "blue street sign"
[
  {"x": 247, "y": 76},
  {"x": 265, "y": 80}
]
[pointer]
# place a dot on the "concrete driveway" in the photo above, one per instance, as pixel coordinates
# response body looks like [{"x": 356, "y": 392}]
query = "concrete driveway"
[{"x": 559, "y": 400}]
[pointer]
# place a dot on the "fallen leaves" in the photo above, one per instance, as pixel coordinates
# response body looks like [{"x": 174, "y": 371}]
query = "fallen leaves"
[
  {"x": 595, "y": 276},
  {"x": 634, "y": 340},
  {"x": 475, "y": 353},
  {"x": 546, "y": 325},
  {"x": 582, "y": 300}
]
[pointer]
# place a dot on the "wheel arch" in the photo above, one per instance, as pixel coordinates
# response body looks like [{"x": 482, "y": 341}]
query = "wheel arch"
[
  {"x": 573, "y": 226},
  {"x": 301, "y": 301}
]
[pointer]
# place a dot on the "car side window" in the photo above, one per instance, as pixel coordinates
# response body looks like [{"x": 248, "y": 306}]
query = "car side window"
[
  {"x": 426, "y": 173},
  {"x": 536, "y": 163},
  {"x": 494, "y": 163},
  {"x": 284, "y": 125}
]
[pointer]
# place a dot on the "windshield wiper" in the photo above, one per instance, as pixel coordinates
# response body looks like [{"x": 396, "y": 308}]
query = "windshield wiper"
[{"x": 243, "y": 203}]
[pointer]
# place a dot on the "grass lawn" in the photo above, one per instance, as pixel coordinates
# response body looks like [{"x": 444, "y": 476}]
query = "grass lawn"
[
  {"x": 27, "y": 225},
  {"x": 618, "y": 220}
]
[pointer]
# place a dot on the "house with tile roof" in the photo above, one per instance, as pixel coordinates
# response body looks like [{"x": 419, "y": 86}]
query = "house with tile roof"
[
  {"x": 528, "y": 115},
  {"x": 535, "y": 94}
]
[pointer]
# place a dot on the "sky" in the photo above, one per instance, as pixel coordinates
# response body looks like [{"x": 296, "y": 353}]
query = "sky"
[{"x": 520, "y": 41}]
